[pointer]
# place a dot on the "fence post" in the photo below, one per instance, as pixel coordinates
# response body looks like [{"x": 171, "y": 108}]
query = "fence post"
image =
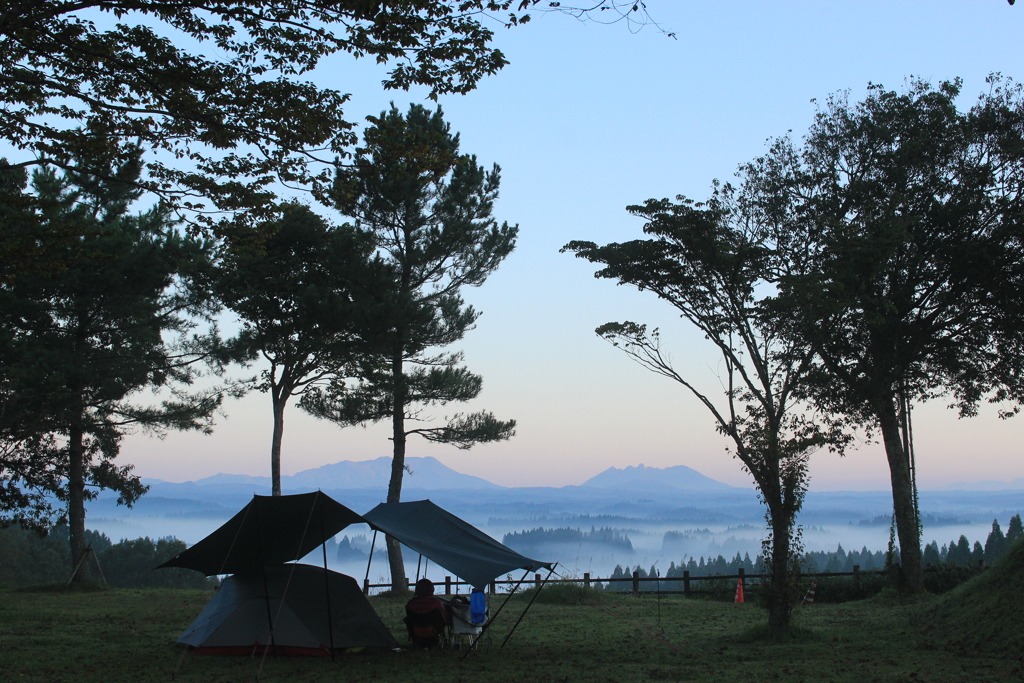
[
  {"x": 686, "y": 582},
  {"x": 447, "y": 585},
  {"x": 586, "y": 579},
  {"x": 536, "y": 580},
  {"x": 636, "y": 581},
  {"x": 856, "y": 577},
  {"x": 494, "y": 588},
  {"x": 743, "y": 574},
  {"x": 366, "y": 586}
]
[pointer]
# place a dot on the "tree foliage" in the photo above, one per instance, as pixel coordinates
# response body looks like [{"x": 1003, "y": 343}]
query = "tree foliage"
[
  {"x": 912, "y": 213},
  {"x": 86, "y": 342},
  {"x": 302, "y": 295},
  {"x": 717, "y": 264},
  {"x": 428, "y": 209},
  {"x": 90, "y": 80}
]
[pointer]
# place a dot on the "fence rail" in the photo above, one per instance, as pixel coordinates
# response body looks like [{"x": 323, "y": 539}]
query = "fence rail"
[{"x": 635, "y": 581}]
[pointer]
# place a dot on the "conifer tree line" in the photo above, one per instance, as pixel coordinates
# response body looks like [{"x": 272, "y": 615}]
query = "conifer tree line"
[
  {"x": 958, "y": 553},
  {"x": 31, "y": 559}
]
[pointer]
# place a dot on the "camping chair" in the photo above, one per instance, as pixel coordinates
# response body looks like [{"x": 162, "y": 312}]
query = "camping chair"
[{"x": 428, "y": 629}]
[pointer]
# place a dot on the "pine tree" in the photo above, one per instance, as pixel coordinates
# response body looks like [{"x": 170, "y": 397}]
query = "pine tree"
[
  {"x": 98, "y": 347},
  {"x": 428, "y": 209},
  {"x": 995, "y": 544},
  {"x": 1014, "y": 530},
  {"x": 931, "y": 555}
]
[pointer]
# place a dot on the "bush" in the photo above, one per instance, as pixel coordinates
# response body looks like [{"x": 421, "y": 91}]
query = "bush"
[{"x": 566, "y": 594}]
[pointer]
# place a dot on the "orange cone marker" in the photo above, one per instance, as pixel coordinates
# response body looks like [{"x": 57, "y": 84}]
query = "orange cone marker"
[
  {"x": 739, "y": 590},
  {"x": 809, "y": 598}
]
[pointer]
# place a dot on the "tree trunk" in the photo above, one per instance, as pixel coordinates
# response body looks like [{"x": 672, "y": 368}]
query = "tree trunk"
[
  {"x": 907, "y": 529},
  {"x": 76, "y": 498},
  {"x": 779, "y": 606},
  {"x": 280, "y": 399},
  {"x": 395, "y": 560}
]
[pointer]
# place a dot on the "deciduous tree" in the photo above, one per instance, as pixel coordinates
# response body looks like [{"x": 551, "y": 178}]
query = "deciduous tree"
[
  {"x": 913, "y": 213},
  {"x": 717, "y": 264},
  {"x": 428, "y": 208},
  {"x": 218, "y": 87}
]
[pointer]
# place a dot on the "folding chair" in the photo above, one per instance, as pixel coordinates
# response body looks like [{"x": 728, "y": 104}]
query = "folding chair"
[{"x": 428, "y": 629}]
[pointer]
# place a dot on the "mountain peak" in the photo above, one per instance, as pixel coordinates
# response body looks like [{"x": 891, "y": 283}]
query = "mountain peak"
[{"x": 640, "y": 476}]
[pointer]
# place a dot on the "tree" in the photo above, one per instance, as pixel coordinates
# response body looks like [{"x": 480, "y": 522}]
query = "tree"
[
  {"x": 83, "y": 343},
  {"x": 995, "y": 544},
  {"x": 92, "y": 79},
  {"x": 1014, "y": 530},
  {"x": 912, "y": 213},
  {"x": 428, "y": 208},
  {"x": 297, "y": 293},
  {"x": 716, "y": 264}
]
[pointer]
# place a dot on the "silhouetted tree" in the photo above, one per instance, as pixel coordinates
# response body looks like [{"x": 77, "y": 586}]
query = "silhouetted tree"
[
  {"x": 427, "y": 208},
  {"x": 717, "y": 263},
  {"x": 86, "y": 343},
  {"x": 911, "y": 213},
  {"x": 301, "y": 294}
]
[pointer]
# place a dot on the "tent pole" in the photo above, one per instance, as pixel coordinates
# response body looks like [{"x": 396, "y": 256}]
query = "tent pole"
[
  {"x": 288, "y": 583},
  {"x": 327, "y": 585},
  {"x": 266, "y": 590},
  {"x": 418, "y": 563},
  {"x": 366, "y": 581},
  {"x": 491, "y": 620},
  {"x": 539, "y": 589}
]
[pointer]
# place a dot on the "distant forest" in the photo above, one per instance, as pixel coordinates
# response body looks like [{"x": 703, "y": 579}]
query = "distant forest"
[
  {"x": 32, "y": 559},
  {"x": 29, "y": 559},
  {"x": 614, "y": 540},
  {"x": 957, "y": 553}
]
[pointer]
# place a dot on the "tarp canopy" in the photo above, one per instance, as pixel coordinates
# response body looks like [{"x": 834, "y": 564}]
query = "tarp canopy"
[
  {"x": 270, "y": 530},
  {"x": 237, "y": 619},
  {"x": 449, "y": 541}
]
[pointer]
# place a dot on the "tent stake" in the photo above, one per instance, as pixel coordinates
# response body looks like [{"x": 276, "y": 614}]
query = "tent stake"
[
  {"x": 366, "y": 581},
  {"x": 539, "y": 589}
]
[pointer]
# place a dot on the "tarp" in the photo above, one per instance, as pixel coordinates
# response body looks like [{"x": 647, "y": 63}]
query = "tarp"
[
  {"x": 237, "y": 619},
  {"x": 270, "y": 530},
  {"x": 445, "y": 539}
]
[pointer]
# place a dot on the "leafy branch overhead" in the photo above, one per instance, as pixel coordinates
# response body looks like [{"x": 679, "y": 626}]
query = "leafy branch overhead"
[{"x": 85, "y": 82}]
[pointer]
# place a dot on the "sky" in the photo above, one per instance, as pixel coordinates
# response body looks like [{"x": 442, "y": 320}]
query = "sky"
[{"x": 586, "y": 120}]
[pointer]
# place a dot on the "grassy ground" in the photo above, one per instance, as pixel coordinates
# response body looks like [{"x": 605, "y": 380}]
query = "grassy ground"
[{"x": 128, "y": 635}]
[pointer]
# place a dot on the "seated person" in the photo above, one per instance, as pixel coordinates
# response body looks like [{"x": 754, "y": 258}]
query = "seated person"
[{"x": 426, "y": 616}]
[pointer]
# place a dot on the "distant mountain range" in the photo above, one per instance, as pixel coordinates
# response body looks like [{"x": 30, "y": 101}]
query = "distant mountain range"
[
  {"x": 424, "y": 473},
  {"x": 429, "y": 474}
]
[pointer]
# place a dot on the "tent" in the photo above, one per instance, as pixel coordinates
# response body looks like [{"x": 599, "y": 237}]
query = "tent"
[
  {"x": 449, "y": 541},
  {"x": 236, "y": 620},
  {"x": 270, "y": 530},
  {"x": 293, "y": 608}
]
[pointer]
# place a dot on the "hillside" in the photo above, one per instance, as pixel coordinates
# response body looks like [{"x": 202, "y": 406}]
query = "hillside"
[{"x": 984, "y": 614}]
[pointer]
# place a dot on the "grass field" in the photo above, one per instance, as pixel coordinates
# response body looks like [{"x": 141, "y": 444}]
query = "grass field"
[{"x": 128, "y": 635}]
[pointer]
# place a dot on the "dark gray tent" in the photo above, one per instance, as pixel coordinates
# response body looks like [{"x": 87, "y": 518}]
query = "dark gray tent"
[
  {"x": 449, "y": 541},
  {"x": 270, "y": 530},
  {"x": 236, "y": 620}
]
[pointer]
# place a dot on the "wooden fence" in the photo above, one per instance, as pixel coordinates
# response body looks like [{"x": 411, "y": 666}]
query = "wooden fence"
[{"x": 639, "y": 585}]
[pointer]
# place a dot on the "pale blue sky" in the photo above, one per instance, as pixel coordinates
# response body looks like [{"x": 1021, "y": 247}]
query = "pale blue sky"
[{"x": 586, "y": 120}]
